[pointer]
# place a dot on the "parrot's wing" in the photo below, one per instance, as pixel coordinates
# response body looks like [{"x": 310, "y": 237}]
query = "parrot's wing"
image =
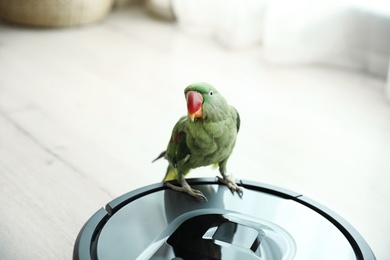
[
  {"x": 178, "y": 152},
  {"x": 238, "y": 121}
]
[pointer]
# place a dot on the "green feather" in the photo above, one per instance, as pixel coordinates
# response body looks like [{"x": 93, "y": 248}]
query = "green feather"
[{"x": 204, "y": 141}]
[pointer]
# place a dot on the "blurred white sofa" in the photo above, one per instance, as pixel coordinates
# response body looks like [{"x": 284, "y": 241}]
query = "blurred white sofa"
[{"x": 347, "y": 33}]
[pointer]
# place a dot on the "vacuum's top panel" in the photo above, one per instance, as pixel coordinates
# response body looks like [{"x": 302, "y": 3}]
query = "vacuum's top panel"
[
  {"x": 267, "y": 222},
  {"x": 166, "y": 224}
]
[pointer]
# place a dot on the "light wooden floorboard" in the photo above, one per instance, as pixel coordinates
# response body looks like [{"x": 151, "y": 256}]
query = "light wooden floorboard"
[{"x": 44, "y": 199}]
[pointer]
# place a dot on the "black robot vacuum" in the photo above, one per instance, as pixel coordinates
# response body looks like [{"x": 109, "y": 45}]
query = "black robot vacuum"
[{"x": 266, "y": 223}]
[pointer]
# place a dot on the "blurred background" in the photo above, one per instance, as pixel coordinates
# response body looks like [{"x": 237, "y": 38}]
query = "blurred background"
[{"x": 90, "y": 91}]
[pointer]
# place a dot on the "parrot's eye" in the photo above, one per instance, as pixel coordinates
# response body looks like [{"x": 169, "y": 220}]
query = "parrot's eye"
[{"x": 211, "y": 93}]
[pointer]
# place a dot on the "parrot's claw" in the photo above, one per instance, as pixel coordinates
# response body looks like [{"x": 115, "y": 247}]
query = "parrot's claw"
[
  {"x": 232, "y": 185},
  {"x": 197, "y": 194}
]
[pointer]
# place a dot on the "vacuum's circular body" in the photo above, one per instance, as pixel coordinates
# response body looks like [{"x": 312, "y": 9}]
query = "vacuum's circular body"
[{"x": 266, "y": 223}]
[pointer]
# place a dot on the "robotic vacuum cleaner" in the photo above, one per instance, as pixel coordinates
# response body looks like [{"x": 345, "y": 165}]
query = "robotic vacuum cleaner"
[{"x": 266, "y": 223}]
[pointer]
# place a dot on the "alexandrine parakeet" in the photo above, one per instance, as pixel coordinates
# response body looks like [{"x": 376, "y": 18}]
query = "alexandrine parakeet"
[{"x": 205, "y": 136}]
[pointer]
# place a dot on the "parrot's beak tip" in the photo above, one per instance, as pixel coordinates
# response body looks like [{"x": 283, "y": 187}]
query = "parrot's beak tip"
[{"x": 192, "y": 117}]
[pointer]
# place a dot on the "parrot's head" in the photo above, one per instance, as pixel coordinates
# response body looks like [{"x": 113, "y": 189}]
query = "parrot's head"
[{"x": 203, "y": 101}]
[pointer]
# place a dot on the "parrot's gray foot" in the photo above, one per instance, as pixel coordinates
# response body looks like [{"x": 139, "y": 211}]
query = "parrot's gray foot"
[
  {"x": 232, "y": 185},
  {"x": 197, "y": 194}
]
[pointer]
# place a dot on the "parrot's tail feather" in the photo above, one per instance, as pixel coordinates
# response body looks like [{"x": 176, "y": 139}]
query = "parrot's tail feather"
[
  {"x": 160, "y": 156},
  {"x": 171, "y": 174}
]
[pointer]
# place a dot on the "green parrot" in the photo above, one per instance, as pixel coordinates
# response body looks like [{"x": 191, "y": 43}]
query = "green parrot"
[{"x": 206, "y": 136}]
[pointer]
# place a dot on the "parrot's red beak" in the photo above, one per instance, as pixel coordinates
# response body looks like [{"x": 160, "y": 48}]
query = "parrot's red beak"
[{"x": 194, "y": 105}]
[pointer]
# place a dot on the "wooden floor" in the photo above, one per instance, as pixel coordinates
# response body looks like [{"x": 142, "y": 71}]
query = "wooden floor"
[{"x": 84, "y": 110}]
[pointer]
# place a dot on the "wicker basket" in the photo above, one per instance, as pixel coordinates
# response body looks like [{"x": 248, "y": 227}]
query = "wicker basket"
[{"x": 53, "y": 13}]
